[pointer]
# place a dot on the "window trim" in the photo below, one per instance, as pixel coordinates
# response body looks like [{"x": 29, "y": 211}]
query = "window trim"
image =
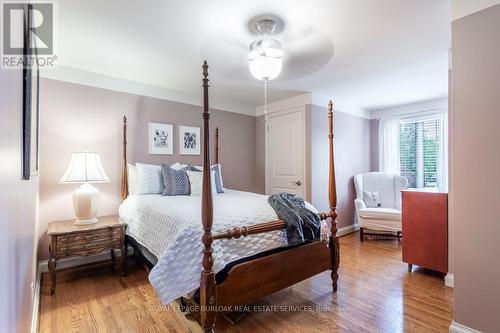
[{"x": 420, "y": 174}]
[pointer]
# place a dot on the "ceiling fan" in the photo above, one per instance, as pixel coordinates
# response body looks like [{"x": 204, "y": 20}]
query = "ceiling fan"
[
  {"x": 268, "y": 47},
  {"x": 266, "y": 55}
]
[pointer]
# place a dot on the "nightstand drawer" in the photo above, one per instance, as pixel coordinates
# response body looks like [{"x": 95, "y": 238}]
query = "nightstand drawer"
[
  {"x": 90, "y": 248},
  {"x": 84, "y": 237}
]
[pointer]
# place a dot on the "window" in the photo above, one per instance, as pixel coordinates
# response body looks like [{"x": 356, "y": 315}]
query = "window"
[{"x": 419, "y": 151}]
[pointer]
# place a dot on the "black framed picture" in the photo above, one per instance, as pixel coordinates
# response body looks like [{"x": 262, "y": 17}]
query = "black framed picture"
[
  {"x": 35, "y": 121},
  {"x": 31, "y": 100}
]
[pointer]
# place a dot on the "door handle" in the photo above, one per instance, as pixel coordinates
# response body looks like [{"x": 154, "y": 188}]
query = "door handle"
[{"x": 298, "y": 182}]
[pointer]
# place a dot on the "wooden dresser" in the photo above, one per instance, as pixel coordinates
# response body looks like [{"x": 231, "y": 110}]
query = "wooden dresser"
[
  {"x": 425, "y": 229},
  {"x": 68, "y": 240}
]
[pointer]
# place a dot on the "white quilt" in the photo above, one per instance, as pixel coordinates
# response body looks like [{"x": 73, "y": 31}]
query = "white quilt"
[{"x": 170, "y": 227}]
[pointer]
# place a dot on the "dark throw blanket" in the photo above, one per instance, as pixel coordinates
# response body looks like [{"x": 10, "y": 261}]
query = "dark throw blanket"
[{"x": 302, "y": 224}]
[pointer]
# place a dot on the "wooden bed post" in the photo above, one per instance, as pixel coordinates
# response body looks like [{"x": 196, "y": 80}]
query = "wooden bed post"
[
  {"x": 124, "y": 171},
  {"x": 208, "y": 297},
  {"x": 332, "y": 197},
  {"x": 216, "y": 145}
]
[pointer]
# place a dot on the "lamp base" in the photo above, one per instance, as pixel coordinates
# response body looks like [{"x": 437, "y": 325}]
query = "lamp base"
[
  {"x": 86, "y": 204},
  {"x": 86, "y": 222}
]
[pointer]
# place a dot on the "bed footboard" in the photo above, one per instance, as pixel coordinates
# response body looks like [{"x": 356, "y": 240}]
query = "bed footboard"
[
  {"x": 260, "y": 277},
  {"x": 249, "y": 281}
]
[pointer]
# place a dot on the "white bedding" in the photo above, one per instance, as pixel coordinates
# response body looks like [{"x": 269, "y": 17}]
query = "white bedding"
[{"x": 171, "y": 229}]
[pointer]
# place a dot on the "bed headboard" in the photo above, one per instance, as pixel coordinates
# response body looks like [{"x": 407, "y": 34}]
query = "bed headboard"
[{"x": 124, "y": 169}]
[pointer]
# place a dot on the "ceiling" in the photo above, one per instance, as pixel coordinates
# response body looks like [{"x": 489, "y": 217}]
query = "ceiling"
[{"x": 364, "y": 53}]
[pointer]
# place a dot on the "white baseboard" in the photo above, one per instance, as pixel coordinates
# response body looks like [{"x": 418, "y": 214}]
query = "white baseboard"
[
  {"x": 36, "y": 299},
  {"x": 459, "y": 328},
  {"x": 347, "y": 230},
  {"x": 449, "y": 280}
]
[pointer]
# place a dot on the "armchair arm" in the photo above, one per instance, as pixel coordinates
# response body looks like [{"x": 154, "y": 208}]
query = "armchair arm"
[{"x": 360, "y": 204}]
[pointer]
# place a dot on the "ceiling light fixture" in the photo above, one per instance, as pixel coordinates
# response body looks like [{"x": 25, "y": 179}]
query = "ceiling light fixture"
[{"x": 266, "y": 55}]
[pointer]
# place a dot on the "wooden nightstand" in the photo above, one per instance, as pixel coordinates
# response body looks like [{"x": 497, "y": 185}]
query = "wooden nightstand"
[{"x": 68, "y": 240}]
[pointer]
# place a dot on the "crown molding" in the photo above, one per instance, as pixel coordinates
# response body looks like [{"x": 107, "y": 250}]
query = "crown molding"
[{"x": 78, "y": 76}]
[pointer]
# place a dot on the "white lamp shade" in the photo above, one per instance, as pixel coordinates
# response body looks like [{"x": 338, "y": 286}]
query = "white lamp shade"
[
  {"x": 265, "y": 67},
  {"x": 85, "y": 167}
]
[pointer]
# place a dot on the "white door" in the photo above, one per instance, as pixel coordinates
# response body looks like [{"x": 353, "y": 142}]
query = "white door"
[{"x": 285, "y": 153}]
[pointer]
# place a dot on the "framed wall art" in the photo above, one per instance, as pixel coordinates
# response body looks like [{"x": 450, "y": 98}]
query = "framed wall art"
[
  {"x": 189, "y": 140},
  {"x": 160, "y": 139}
]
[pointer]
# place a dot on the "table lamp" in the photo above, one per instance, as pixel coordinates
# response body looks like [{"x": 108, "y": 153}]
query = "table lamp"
[{"x": 85, "y": 168}]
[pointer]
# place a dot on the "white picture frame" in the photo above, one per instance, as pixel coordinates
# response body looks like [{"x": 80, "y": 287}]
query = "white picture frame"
[
  {"x": 189, "y": 140},
  {"x": 160, "y": 139}
]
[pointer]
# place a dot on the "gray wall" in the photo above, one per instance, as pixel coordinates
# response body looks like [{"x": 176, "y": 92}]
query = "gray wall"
[
  {"x": 352, "y": 156},
  {"x": 77, "y": 118},
  {"x": 18, "y": 206},
  {"x": 475, "y": 160}
]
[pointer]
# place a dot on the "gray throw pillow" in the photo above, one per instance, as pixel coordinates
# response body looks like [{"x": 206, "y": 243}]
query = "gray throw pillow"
[
  {"x": 218, "y": 178},
  {"x": 176, "y": 182}
]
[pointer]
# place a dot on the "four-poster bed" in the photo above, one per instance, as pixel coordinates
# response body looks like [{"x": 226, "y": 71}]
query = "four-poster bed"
[{"x": 257, "y": 276}]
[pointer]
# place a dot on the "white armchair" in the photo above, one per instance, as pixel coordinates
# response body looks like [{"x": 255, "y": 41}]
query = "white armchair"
[{"x": 383, "y": 213}]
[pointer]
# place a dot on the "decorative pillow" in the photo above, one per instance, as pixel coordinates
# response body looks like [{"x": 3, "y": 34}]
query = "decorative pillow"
[
  {"x": 218, "y": 178},
  {"x": 176, "y": 182},
  {"x": 186, "y": 167},
  {"x": 191, "y": 167},
  {"x": 196, "y": 182},
  {"x": 150, "y": 178},
  {"x": 133, "y": 179},
  {"x": 177, "y": 166},
  {"x": 372, "y": 199}
]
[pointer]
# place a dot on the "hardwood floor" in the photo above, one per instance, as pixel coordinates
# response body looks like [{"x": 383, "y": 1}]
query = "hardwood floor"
[{"x": 375, "y": 294}]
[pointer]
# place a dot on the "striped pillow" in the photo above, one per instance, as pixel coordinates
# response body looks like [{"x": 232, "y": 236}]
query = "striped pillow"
[{"x": 176, "y": 182}]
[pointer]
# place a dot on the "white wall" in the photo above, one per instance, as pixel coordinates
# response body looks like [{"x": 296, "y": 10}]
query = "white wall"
[{"x": 18, "y": 207}]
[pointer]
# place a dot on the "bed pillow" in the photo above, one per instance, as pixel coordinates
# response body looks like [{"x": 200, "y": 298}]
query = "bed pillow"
[
  {"x": 196, "y": 182},
  {"x": 372, "y": 199},
  {"x": 175, "y": 182},
  {"x": 191, "y": 167},
  {"x": 133, "y": 179},
  {"x": 150, "y": 178},
  {"x": 218, "y": 177},
  {"x": 177, "y": 166},
  {"x": 186, "y": 167}
]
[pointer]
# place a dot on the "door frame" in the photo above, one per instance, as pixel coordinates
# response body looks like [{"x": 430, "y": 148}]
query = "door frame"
[{"x": 297, "y": 109}]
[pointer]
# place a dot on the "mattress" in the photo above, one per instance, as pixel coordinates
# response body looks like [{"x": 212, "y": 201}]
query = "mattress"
[{"x": 170, "y": 228}]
